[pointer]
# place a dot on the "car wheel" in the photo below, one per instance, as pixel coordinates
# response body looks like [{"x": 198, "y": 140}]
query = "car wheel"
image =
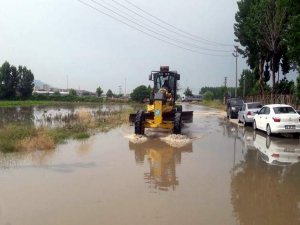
[
  {"x": 268, "y": 142},
  {"x": 254, "y": 135},
  {"x": 244, "y": 122},
  {"x": 254, "y": 125},
  {"x": 269, "y": 132}
]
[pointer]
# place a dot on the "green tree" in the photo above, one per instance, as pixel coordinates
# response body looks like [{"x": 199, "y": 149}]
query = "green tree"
[
  {"x": 285, "y": 87},
  {"x": 5, "y": 80},
  {"x": 250, "y": 80},
  {"x": 72, "y": 92},
  {"x": 298, "y": 89},
  {"x": 218, "y": 92},
  {"x": 14, "y": 81},
  {"x": 26, "y": 81},
  {"x": 188, "y": 92},
  {"x": 56, "y": 94},
  {"x": 274, "y": 21},
  {"x": 99, "y": 91},
  {"x": 140, "y": 93},
  {"x": 246, "y": 29},
  {"x": 292, "y": 34},
  {"x": 208, "y": 96},
  {"x": 109, "y": 93},
  {"x": 268, "y": 30}
]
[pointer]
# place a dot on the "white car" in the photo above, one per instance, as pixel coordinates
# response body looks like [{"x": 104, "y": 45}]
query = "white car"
[
  {"x": 248, "y": 112},
  {"x": 277, "y": 118}
]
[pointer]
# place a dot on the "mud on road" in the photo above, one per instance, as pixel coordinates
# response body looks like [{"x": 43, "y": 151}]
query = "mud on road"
[{"x": 215, "y": 173}]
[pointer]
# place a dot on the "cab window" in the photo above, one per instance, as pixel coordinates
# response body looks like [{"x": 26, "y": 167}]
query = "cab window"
[
  {"x": 262, "y": 111},
  {"x": 244, "y": 107}
]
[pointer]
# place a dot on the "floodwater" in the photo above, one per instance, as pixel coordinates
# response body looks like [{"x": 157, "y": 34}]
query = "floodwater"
[
  {"x": 54, "y": 116},
  {"x": 217, "y": 173}
]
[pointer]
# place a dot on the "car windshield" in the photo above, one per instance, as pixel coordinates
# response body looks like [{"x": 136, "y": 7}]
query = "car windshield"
[
  {"x": 236, "y": 102},
  {"x": 283, "y": 110},
  {"x": 254, "y": 105}
]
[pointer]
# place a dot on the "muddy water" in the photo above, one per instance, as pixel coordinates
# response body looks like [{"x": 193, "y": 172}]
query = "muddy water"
[
  {"x": 217, "y": 174},
  {"x": 53, "y": 116}
]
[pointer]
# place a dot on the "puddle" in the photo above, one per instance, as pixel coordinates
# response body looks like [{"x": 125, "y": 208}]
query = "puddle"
[{"x": 117, "y": 177}]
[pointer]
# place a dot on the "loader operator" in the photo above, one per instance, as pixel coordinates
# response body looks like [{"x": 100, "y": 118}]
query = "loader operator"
[{"x": 165, "y": 89}]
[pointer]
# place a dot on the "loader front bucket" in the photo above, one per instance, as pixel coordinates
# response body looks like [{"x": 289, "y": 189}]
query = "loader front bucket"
[{"x": 186, "y": 116}]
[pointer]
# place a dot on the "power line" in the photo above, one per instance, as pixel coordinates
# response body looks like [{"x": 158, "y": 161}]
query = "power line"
[
  {"x": 153, "y": 30},
  {"x": 178, "y": 29},
  {"x": 161, "y": 26},
  {"x": 146, "y": 33}
]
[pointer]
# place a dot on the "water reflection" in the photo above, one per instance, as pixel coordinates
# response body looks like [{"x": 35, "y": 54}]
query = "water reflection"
[
  {"x": 162, "y": 160},
  {"x": 53, "y": 116},
  {"x": 277, "y": 151},
  {"x": 17, "y": 159},
  {"x": 16, "y": 115},
  {"x": 265, "y": 195},
  {"x": 265, "y": 181}
]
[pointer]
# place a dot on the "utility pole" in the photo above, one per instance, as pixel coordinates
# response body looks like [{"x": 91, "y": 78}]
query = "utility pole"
[
  {"x": 225, "y": 90},
  {"x": 120, "y": 90},
  {"x": 236, "y": 55},
  {"x": 125, "y": 87},
  {"x": 244, "y": 90}
]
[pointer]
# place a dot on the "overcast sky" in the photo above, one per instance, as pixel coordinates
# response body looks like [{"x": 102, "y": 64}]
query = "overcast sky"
[{"x": 57, "y": 39}]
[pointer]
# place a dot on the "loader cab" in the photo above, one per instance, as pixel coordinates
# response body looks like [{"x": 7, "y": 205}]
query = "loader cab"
[{"x": 165, "y": 79}]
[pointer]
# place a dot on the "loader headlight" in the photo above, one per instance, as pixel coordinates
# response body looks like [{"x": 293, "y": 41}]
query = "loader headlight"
[{"x": 233, "y": 108}]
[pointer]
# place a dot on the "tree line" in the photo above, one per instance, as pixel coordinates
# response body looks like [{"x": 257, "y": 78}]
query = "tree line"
[
  {"x": 269, "y": 33},
  {"x": 15, "y": 81}
]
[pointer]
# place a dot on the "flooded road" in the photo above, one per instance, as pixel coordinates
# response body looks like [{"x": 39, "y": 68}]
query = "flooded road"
[{"x": 216, "y": 174}]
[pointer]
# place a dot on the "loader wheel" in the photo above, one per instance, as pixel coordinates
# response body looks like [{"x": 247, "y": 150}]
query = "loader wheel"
[
  {"x": 139, "y": 126},
  {"x": 177, "y": 123},
  {"x": 179, "y": 108}
]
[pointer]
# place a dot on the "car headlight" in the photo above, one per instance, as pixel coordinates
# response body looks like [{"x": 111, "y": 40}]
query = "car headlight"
[{"x": 233, "y": 108}]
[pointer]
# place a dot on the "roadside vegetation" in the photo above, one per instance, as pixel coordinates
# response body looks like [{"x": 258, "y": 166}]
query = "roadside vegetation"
[
  {"x": 216, "y": 104},
  {"x": 27, "y": 137},
  {"x": 267, "y": 35}
]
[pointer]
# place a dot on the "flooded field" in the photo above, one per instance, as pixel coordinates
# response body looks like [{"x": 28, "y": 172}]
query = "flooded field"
[
  {"x": 54, "y": 116},
  {"x": 215, "y": 173}
]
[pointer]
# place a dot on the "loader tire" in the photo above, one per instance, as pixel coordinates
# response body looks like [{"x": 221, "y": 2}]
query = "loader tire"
[
  {"x": 177, "y": 123},
  {"x": 179, "y": 108},
  {"x": 139, "y": 123}
]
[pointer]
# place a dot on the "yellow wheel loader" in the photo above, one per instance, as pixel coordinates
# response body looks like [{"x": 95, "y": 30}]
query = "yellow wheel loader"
[{"x": 162, "y": 110}]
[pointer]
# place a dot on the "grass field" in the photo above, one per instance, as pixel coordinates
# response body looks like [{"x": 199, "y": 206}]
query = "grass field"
[{"x": 25, "y": 103}]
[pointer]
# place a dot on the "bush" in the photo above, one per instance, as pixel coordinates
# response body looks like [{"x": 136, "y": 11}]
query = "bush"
[
  {"x": 208, "y": 96},
  {"x": 140, "y": 93}
]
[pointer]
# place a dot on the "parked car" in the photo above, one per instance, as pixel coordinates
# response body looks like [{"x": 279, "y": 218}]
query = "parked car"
[
  {"x": 277, "y": 118},
  {"x": 298, "y": 111},
  {"x": 248, "y": 111},
  {"x": 277, "y": 151},
  {"x": 234, "y": 105}
]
